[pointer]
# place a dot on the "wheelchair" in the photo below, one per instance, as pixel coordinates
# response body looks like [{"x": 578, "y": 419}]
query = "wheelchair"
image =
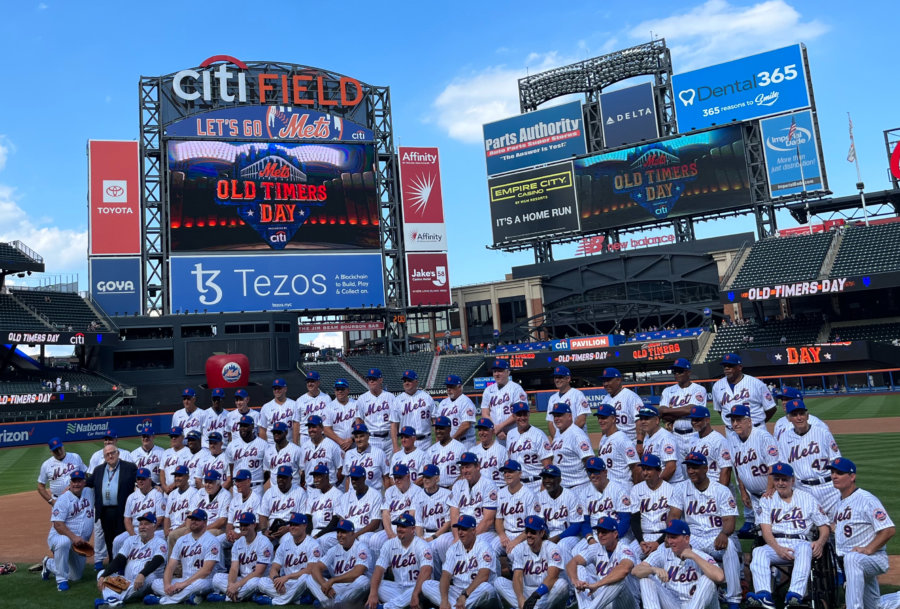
[{"x": 822, "y": 591}]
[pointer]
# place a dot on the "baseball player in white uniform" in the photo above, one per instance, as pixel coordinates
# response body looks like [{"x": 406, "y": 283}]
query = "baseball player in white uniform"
[
  {"x": 537, "y": 569},
  {"x": 569, "y": 447},
  {"x": 175, "y": 455},
  {"x": 71, "y": 520},
  {"x": 566, "y": 394},
  {"x": 604, "y": 497},
  {"x": 784, "y": 423},
  {"x": 786, "y": 520},
  {"x": 279, "y": 408},
  {"x": 251, "y": 556},
  {"x": 361, "y": 505},
  {"x": 141, "y": 558},
  {"x": 412, "y": 408},
  {"x": 862, "y": 528},
  {"x": 342, "y": 576},
  {"x": 499, "y": 397},
  {"x": 370, "y": 458},
  {"x": 808, "y": 449},
  {"x": 472, "y": 495},
  {"x": 710, "y": 510},
  {"x": 410, "y": 456},
  {"x": 198, "y": 554},
  {"x": 243, "y": 499},
  {"x": 178, "y": 505},
  {"x": 283, "y": 452},
  {"x": 491, "y": 454},
  {"x": 278, "y": 503},
  {"x": 374, "y": 409},
  {"x": 313, "y": 402},
  {"x": 660, "y": 442},
  {"x": 460, "y": 409},
  {"x": 676, "y": 576},
  {"x": 625, "y": 401},
  {"x": 402, "y": 497},
  {"x": 189, "y": 418},
  {"x": 410, "y": 561},
  {"x": 144, "y": 499},
  {"x": 215, "y": 501},
  {"x": 515, "y": 502},
  {"x": 248, "y": 451},
  {"x": 650, "y": 507},
  {"x": 148, "y": 454},
  {"x": 754, "y": 451},
  {"x": 433, "y": 510},
  {"x": 319, "y": 450},
  {"x": 285, "y": 583},
  {"x": 469, "y": 570},
  {"x": 445, "y": 453},
  {"x": 676, "y": 402},
  {"x": 197, "y": 455},
  {"x": 216, "y": 417},
  {"x": 600, "y": 573},
  {"x": 340, "y": 415},
  {"x": 737, "y": 388},
  {"x": 53, "y": 478},
  {"x": 529, "y": 446},
  {"x": 242, "y": 409},
  {"x": 712, "y": 445},
  {"x": 561, "y": 510},
  {"x": 616, "y": 449}
]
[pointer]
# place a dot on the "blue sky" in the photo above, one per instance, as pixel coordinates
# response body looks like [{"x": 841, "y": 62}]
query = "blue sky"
[{"x": 71, "y": 72}]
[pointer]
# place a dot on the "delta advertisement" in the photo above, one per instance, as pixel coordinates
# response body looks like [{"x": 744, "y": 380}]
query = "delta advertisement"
[
  {"x": 687, "y": 175},
  {"x": 536, "y": 138},
  {"x": 791, "y": 147},
  {"x": 423, "y": 204},
  {"x": 269, "y": 197},
  {"x": 534, "y": 203},
  {"x": 116, "y": 285},
  {"x": 427, "y": 279},
  {"x": 114, "y": 194},
  {"x": 629, "y": 116},
  {"x": 741, "y": 90},
  {"x": 275, "y": 283}
]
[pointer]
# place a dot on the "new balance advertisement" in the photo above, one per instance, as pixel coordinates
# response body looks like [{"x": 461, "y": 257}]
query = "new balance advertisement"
[
  {"x": 114, "y": 193},
  {"x": 423, "y": 204},
  {"x": 264, "y": 197},
  {"x": 792, "y": 154},
  {"x": 741, "y": 90},
  {"x": 686, "y": 175},
  {"x": 534, "y": 203},
  {"x": 275, "y": 283},
  {"x": 539, "y": 137},
  {"x": 427, "y": 278},
  {"x": 628, "y": 116},
  {"x": 116, "y": 285}
]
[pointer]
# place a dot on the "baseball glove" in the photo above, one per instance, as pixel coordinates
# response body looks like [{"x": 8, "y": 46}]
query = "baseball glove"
[
  {"x": 276, "y": 525},
  {"x": 84, "y": 548},
  {"x": 117, "y": 583},
  {"x": 531, "y": 601}
]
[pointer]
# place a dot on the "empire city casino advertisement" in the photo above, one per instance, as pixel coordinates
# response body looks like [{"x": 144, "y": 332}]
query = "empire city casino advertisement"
[{"x": 687, "y": 175}]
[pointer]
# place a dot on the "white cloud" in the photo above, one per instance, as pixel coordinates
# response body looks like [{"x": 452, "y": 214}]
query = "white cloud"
[
  {"x": 42, "y": 6},
  {"x": 6, "y": 147},
  {"x": 324, "y": 340},
  {"x": 716, "y": 31}
]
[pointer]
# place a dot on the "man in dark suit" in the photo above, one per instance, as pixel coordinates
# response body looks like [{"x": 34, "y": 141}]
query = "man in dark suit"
[{"x": 113, "y": 481}]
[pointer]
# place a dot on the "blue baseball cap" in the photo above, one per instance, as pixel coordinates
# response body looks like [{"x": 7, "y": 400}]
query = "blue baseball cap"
[
  {"x": 453, "y": 380},
  {"x": 247, "y": 518},
  {"x": 359, "y": 428},
  {"x": 176, "y": 431},
  {"x": 181, "y": 470},
  {"x": 374, "y": 373},
  {"x": 314, "y": 420},
  {"x": 788, "y": 393},
  {"x": 285, "y": 470},
  {"x": 404, "y": 520},
  {"x": 55, "y": 443},
  {"x": 218, "y": 393},
  {"x": 699, "y": 412},
  {"x": 520, "y": 407},
  {"x": 610, "y": 373},
  {"x": 194, "y": 435},
  {"x": 511, "y": 465},
  {"x": 442, "y": 422},
  {"x": 607, "y": 523},
  {"x": 246, "y": 420},
  {"x": 468, "y": 458},
  {"x": 198, "y": 514},
  {"x": 677, "y": 527},
  {"x": 241, "y": 393},
  {"x": 214, "y": 436},
  {"x": 731, "y": 359},
  {"x": 399, "y": 470},
  {"x": 279, "y": 383},
  {"x": 782, "y": 469},
  {"x": 357, "y": 471},
  {"x": 465, "y": 522},
  {"x": 312, "y": 375},
  {"x": 188, "y": 393},
  {"x": 535, "y": 523},
  {"x": 561, "y": 371},
  {"x": 595, "y": 464},
  {"x": 147, "y": 429},
  {"x": 648, "y": 460},
  {"x": 320, "y": 468},
  {"x": 561, "y": 408},
  {"x": 430, "y": 470},
  {"x": 647, "y": 411},
  {"x": 738, "y": 411},
  {"x": 410, "y": 375},
  {"x": 683, "y": 363},
  {"x": 500, "y": 364},
  {"x": 280, "y": 426},
  {"x": 606, "y": 410},
  {"x": 148, "y": 516},
  {"x": 551, "y": 471},
  {"x": 212, "y": 475},
  {"x": 297, "y": 518},
  {"x": 409, "y": 431},
  {"x": 792, "y": 405},
  {"x": 484, "y": 423},
  {"x": 111, "y": 434},
  {"x": 342, "y": 384},
  {"x": 142, "y": 472},
  {"x": 78, "y": 474},
  {"x": 842, "y": 465},
  {"x": 345, "y": 525},
  {"x": 695, "y": 458},
  {"x": 242, "y": 474}
]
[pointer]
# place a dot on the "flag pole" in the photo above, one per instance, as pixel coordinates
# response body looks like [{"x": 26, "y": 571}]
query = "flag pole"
[
  {"x": 793, "y": 133},
  {"x": 855, "y": 159}
]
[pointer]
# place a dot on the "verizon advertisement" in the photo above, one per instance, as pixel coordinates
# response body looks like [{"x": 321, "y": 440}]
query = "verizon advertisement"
[
  {"x": 427, "y": 278},
  {"x": 423, "y": 205},
  {"x": 114, "y": 196}
]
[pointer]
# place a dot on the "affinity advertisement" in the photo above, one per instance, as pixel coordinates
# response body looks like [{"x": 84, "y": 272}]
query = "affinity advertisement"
[
  {"x": 267, "y": 197},
  {"x": 116, "y": 285},
  {"x": 114, "y": 185},
  {"x": 690, "y": 174},
  {"x": 275, "y": 283},
  {"x": 789, "y": 141},
  {"x": 427, "y": 279},
  {"x": 741, "y": 90},
  {"x": 539, "y": 137},
  {"x": 534, "y": 203},
  {"x": 629, "y": 116},
  {"x": 423, "y": 204}
]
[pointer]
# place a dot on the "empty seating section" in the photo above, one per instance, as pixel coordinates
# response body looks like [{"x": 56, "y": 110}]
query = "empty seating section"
[
  {"x": 11, "y": 256},
  {"x": 784, "y": 260},
  {"x": 731, "y": 339},
  {"x": 879, "y": 333},
  {"x": 868, "y": 249},
  {"x": 392, "y": 366},
  {"x": 63, "y": 309},
  {"x": 16, "y": 317},
  {"x": 329, "y": 372},
  {"x": 462, "y": 366}
]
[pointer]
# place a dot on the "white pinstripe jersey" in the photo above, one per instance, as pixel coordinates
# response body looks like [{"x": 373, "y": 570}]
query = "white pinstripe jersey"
[
  {"x": 405, "y": 563},
  {"x": 753, "y": 459},
  {"x": 529, "y": 449},
  {"x": 627, "y": 404},
  {"x": 513, "y": 508},
  {"x": 172, "y": 459},
  {"x": 664, "y": 445},
  {"x": 464, "y": 565},
  {"x": 178, "y": 505},
  {"x": 151, "y": 460},
  {"x": 684, "y": 575},
  {"x": 361, "y": 510},
  {"x": 604, "y": 561},
  {"x": 216, "y": 507},
  {"x": 290, "y": 455},
  {"x": 275, "y": 504},
  {"x": 784, "y": 423},
  {"x": 749, "y": 391},
  {"x": 327, "y": 451},
  {"x": 459, "y": 411},
  {"x": 703, "y": 510},
  {"x": 272, "y": 412},
  {"x": 322, "y": 507},
  {"x": 397, "y": 502},
  {"x": 618, "y": 453},
  {"x": 433, "y": 511},
  {"x": 491, "y": 459},
  {"x": 138, "y": 554},
  {"x": 675, "y": 396},
  {"x": 339, "y": 417},
  {"x": 138, "y": 504},
  {"x": 249, "y": 455},
  {"x": 560, "y": 512},
  {"x": 810, "y": 453},
  {"x": 373, "y": 460},
  {"x": 717, "y": 451},
  {"x": 858, "y": 518},
  {"x": 534, "y": 567},
  {"x": 496, "y": 402},
  {"x": 294, "y": 557},
  {"x": 234, "y": 421},
  {"x": 248, "y": 555},
  {"x": 189, "y": 421},
  {"x": 306, "y": 406},
  {"x": 415, "y": 460},
  {"x": 55, "y": 472},
  {"x": 340, "y": 561},
  {"x": 576, "y": 402},
  {"x": 474, "y": 500},
  {"x": 192, "y": 553},
  {"x": 445, "y": 458},
  {"x": 215, "y": 421},
  {"x": 375, "y": 411},
  {"x": 76, "y": 512},
  {"x": 570, "y": 448},
  {"x": 653, "y": 506},
  {"x": 796, "y": 516},
  {"x": 239, "y": 505},
  {"x": 414, "y": 411},
  {"x": 614, "y": 498}
]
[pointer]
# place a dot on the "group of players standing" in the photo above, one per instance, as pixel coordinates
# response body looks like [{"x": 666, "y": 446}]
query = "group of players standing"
[{"x": 318, "y": 499}]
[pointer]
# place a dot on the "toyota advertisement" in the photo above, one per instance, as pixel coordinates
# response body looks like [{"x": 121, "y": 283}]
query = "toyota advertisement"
[
  {"x": 423, "y": 204},
  {"x": 687, "y": 175},
  {"x": 114, "y": 195},
  {"x": 793, "y": 162},
  {"x": 116, "y": 285},
  {"x": 744, "y": 89}
]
